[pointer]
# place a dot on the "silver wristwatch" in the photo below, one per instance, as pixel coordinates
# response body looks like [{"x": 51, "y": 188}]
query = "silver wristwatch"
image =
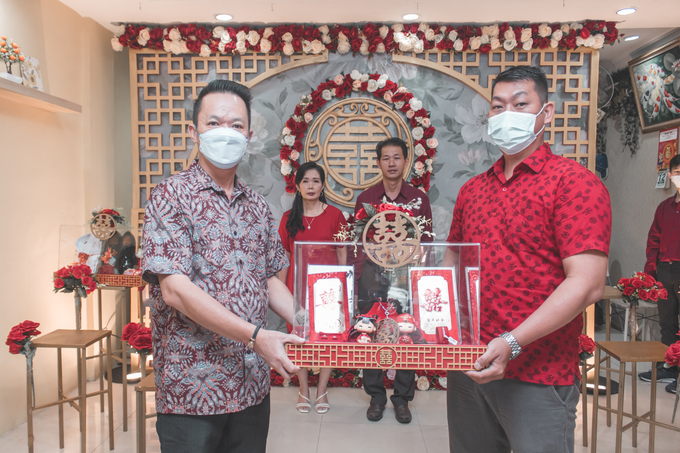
[{"x": 515, "y": 348}]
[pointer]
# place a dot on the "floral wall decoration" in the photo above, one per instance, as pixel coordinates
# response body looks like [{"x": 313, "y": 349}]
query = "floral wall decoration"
[{"x": 364, "y": 39}]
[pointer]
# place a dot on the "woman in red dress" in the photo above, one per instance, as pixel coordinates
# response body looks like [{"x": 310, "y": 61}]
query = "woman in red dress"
[{"x": 311, "y": 220}]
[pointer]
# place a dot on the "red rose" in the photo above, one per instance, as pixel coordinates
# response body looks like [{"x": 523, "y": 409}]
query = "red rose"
[
  {"x": 649, "y": 281},
  {"x": 277, "y": 381},
  {"x": 370, "y": 29},
  {"x": 587, "y": 343},
  {"x": 203, "y": 34},
  {"x": 14, "y": 348},
  {"x": 91, "y": 287},
  {"x": 663, "y": 294},
  {"x": 361, "y": 214},
  {"x": 77, "y": 273},
  {"x": 356, "y": 45},
  {"x": 140, "y": 342},
  {"x": 430, "y": 152},
  {"x": 63, "y": 272},
  {"x": 643, "y": 294},
  {"x": 673, "y": 354},
  {"x": 87, "y": 280},
  {"x": 194, "y": 46},
  {"x": 584, "y": 33},
  {"x": 659, "y": 285},
  {"x": 15, "y": 335},
  {"x": 637, "y": 283},
  {"x": 654, "y": 295},
  {"x": 486, "y": 48},
  {"x": 28, "y": 327},
  {"x": 386, "y": 207},
  {"x": 544, "y": 43},
  {"x": 290, "y": 188},
  {"x": 340, "y": 91},
  {"x": 130, "y": 330},
  {"x": 628, "y": 291},
  {"x": 58, "y": 283},
  {"x": 624, "y": 282},
  {"x": 285, "y": 152},
  {"x": 289, "y": 178},
  {"x": 569, "y": 42},
  {"x": 429, "y": 132}
]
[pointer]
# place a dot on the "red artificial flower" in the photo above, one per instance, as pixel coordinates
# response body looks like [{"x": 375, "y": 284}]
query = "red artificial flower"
[
  {"x": 203, "y": 34},
  {"x": 15, "y": 334},
  {"x": 386, "y": 207},
  {"x": 624, "y": 282},
  {"x": 140, "y": 342},
  {"x": 587, "y": 343},
  {"x": 663, "y": 294},
  {"x": 361, "y": 214},
  {"x": 58, "y": 283},
  {"x": 643, "y": 294},
  {"x": 673, "y": 354},
  {"x": 14, "y": 348},
  {"x": 637, "y": 283},
  {"x": 654, "y": 294},
  {"x": 628, "y": 291},
  {"x": 29, "y": 327},
  {"x": 584, "y": 33},
  {"x": 429, "y": 132},
  {"x": 77, "y": 273},
  {"x": 648, "y": 281},
  {"x": 130, "y": 330},
  {"x": 87, "y": 280}
]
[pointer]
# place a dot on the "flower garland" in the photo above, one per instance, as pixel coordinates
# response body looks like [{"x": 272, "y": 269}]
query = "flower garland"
[
  {"x": 343, "y": 85},
  {"x": 366, "y": 39}
]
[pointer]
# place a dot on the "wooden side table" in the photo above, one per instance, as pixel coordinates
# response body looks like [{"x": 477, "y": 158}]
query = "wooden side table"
[
  {"x": 148, "y": 384},
  {"x": 80, "y": 340}
]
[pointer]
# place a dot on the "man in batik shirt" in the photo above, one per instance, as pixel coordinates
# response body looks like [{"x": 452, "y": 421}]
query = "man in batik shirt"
[{"x": 211, "y": 253}]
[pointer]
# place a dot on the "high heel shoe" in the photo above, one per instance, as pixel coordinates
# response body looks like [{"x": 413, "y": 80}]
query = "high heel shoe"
[
  {"x": 303, "y": 407},
  {"x": 321, "y": 408}
]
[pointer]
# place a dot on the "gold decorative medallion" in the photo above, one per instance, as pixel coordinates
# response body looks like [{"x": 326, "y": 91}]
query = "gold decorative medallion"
[
  {"x": 386, "y": 238},
  {"x": 103, "y": 226}
]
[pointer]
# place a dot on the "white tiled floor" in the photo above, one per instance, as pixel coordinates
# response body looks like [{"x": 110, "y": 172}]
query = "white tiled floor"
[{"x": 341, "y": 429}]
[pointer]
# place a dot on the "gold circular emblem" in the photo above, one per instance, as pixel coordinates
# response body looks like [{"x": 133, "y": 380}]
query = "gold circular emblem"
[
  {"x": 386, "y": 238},
  {"x": 103, "y": 226},
  {"x": 386, "y": 357}
]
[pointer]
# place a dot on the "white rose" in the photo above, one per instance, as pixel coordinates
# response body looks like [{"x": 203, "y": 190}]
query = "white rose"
[
  {"x": 405, "y": 46},
  {"x": 342, "y": 37},
  {"x": 205, "y": 51},
  {"x": 226, "y": 37},
  {"x": 241, "y": 47},
  {"x": 306, "y": 46},
  {"x": 565, "y": 29},
  {"x": 308, "y": 116},
  {"x": 288, "y": 49},
  {"x": 425, "y": 122},
  {"x": 364, "y": 47},
  {"x": 380, "y": 48},
  {"x": 599, "y": 42},
  {"x": 590, "y": 41},
  {"x": 253, "y": 37},
  {"x": 509, "y": 34},
  {"x": 217, "y": 32},
  {"x": 175, "y": 47},
  {"x": 484, "y": 39},
  {"x": 384, "y": 30},
  {"x": 402, "y": 90},
  {"x": 417, "y": 133},
  {"x": 183, "y": 47},
  {"x": 544, "y": 30},
  {"x": 286, "y": 168},
  {"x": 527, "y": 44},
  {"x": 343, "y": 47},
  {"x": 453, "y": 35},
  {"x": 420, "y": 150},
  {"x": 117, "y": 46},
  {"x": 398, "y": 105},
  {"x": 526, "y": 34},
  {"x": 442, "y": 381},
  {"x": 475, "y": 43},
  {"x": 415, "y": 104},
  {"x": 324, "y": 29},
  {"x": 174, "y": 35},
  {"x": 557, "y": 35},
  {"x": 327, "y": 95},
  {"x": 144, "y": 34},
  {"x": 509, "y": 44},
  {"x": 399, "y": 37},
  {"x": 580, "y": 41},
  {"x": 220, "y": 46},
  {"x": 428, "y": 162},
  {"x": 495, "y": 44},
  {"x": 493, "y": 30},
  {"x": 289, "y": 140},
  {"x": 241, "y": 36},
  {"x": 397, "y": 27},
  {"x": 432, "y": 142},
  {"x": 423, "y": 27},
  {"x": 430, "y": 34},
  {"x": 439, "y": 37},
  {"x": 419, "y": 166},
  {"x": 269, "y": 31},
  {"x": 326, "y": 39},
  {"x": 119, "y": 30},
  {"x": 419, "y": 46},
  {"x": 372, "y": 86},
  {"x": 576, "y": 26},
  {"x": 265, "y": 45},
  {"x": 458, "y": 45},
  {"x": 294, "y": 155},
  {"x": 287, "y": 37},
  {"x": 382, "y": 80},
  {"x": 364, "y": 77},
  {"x": 355, "y": 75}
]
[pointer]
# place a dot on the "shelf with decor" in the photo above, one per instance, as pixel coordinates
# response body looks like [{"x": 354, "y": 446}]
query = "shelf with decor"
[{"x": 30, "y": 96}]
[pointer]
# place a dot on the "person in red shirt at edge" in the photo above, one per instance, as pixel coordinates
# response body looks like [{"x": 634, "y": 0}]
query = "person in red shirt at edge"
[
  {"x": 373, "y": 281},
  {"x": 544, "y": 225},
  {"x": 311, "y": 220},
  {"x": 663, "y": 263}
]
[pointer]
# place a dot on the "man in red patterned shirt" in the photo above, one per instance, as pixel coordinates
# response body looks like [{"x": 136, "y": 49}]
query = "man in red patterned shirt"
[{"x": 544, "y": 224}]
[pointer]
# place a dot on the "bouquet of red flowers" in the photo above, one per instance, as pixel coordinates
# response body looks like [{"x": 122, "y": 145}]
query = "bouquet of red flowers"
[
  {"x": 19, "y": 338},
  {"x": 138, "y": 337},
  {"x": 119, "y": 219},
  {"x": 641, "y": 286},
  {"x": 76, "y": 277},
  {"x": 587, "y": 346}
]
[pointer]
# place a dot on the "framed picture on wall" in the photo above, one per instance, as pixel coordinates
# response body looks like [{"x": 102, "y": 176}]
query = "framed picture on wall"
[{"x": 656, "y": 80}]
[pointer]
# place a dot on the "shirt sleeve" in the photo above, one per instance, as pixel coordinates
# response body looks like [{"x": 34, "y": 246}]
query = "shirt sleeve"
[
  {"x": 456, "y": 230},
  {"x": 283, "y": 233},
  {"x": 653, "y": 243},
  {"x": 582, "y": 216},
  {"x": 168, "y": 248},
  {"x": 276, "y": 254}
]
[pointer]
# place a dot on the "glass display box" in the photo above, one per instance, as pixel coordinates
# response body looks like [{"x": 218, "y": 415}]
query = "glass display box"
[{"x": 415, "y": 306}]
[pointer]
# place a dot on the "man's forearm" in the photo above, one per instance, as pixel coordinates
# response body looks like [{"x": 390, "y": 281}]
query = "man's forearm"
[{"x": 280, "y": 299}]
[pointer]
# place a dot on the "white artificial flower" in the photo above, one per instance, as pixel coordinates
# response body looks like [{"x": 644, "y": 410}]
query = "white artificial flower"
[
  {"x": 241, "y": 47},
  {"x": 372, "y": 86},
  {"x": 269, "y": 31},
  {"x": 327, "y": 95},
  {"x": 527, "y": 44},
  {"x": 526, "y": 34},
  {"x": 405, "y": 45},
  {"x": 509, "y": 34},
  {"x": 420, "y": 150},
  {"x": 253, "y": 37},
  {"x": 419, "y": 46},
  {"x": 442, "y": 29},
  {"x": 342, "y": 37},
  {"x": 183, "y": 46},
  {"x": 220, "y": 46},
  {"x": 432, "y": 142},
  {"x": 580, "y": 41},
  {"x": 475, "y": 43},
  {"x": 565, "y": 29},
  {"x": 402, "y": 90},
  {"x": 286, "y": 131},
  {"x": 226, "y": 37},
  {"x": 294, "y": 155},
  {"x": 509, "y": 44},
  {"x": 308, "y": 117},
  {"x": 174, "y": 35},
  {"x": 287, "y": 37},
  {"x": 399, "y": 37},
  {"x": 423, "y": 27},
  {"x": 544, "y": 30},
  {"x": 474, "y": 120},
  {"x": 380, "y": 48},
  {"x": 398, "y": 105},
  {"x": 241, "y": 36},
  {"x": 289, "y": 140},
  {"x": 324, "y": 29},
  {"x": 265, "y": 45},
  {"x": 144, "y": 35},
  {"x": 384, "y": 30},
  {"x": 557, "y": 35},
  {"x": 439, "y": 37},
  {"x": 453, "y": 35},
  {"x": 343, "y": 47},
  {"x": 493, "y": 30},
  {"x": 419, "y": 168},
  {"x": 217, "y": 32},
  {"x": 599, "y": 42},
  {"x": 205, "y": 51},
  {"x": 442, "y": 381},
  {"x": 286, "y": 167},
  {"x": 117, "y": 46},
  {"x": 382, "y": 80},
  {"x": 415, "y": 104},
  {"x": 288, "y": 49},
  {"x": 306, "y": 46},
  {"x": 576, "y": 26},
  {"x": 119, "y": 30},
  {"x": 590, "y": 41},
  {"x": 326, "y": 39},
  {"x": 484, "y": 39},
  {"x": 554, "y": 43},
  {"x": 417, "y": 133},
  {"x": 364, "y": 47},
  {"x": 397, "y": 27},
  {"x": 495, "y": 43},
  {"x": 355, "y": 75},
  {"x": 458, "y": 45},
  {"x": 430, "y": 34},
  {"x": 428, "y": 162}
]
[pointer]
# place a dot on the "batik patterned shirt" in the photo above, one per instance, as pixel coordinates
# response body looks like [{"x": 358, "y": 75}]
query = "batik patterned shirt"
[{"x": 228, "y": 248}]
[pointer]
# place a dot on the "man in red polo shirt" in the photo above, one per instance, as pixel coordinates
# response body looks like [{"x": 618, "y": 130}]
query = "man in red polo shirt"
[
  {"x": 663, "y": 263},
  {"x": 544, "y": 224}
]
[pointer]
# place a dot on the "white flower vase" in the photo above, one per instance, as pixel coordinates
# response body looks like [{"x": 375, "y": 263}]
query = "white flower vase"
[{"x": 10, "y": 77}]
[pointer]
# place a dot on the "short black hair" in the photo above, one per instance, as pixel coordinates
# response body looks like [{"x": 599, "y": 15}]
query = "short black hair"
[
  {"x": 520, "y": 73},
  {"x": 222, "y": 86},
  {"x": 675, "y": 161},
  {"x": 392, "y": 141}
]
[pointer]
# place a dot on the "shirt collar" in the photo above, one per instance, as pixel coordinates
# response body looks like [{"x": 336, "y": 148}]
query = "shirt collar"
[
  {"x": 204, "y": 181},
  {"x": 402, "y": 193},
  {"x": 535, "y": 162}
]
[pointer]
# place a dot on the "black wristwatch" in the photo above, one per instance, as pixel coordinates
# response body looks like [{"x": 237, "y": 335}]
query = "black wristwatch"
[
  {"x": 251, "y": 343},
  {"x": 515, "y": 348}
]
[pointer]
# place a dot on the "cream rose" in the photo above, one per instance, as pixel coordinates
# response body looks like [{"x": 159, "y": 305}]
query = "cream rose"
[
  {"x": 425, "y": 122},
  {"x": 432, "y": 142},
  {"x": 430, "y": 34},
  {"x": 484, "y": 39},
  {"x": 372, "y": 86},
  {"x": 417, "y": 133},
  {"x": 458, "y": 45},
  {"x": 119, "y": 30},
  {"x": 419, "y": 167},
  {"x": 397, "y": 27},
  {"x": 527, "y": 44},
  {"x": 544, "y": 30},
  {"x": 144, "y": 34},
  {"x": 557, "y": 35},
  {"x": 217, "y": 32},
  {"x": 241, "y": 36},
  {"x": 419, "y": 46},
  {"x": 423, "y": 27},
  {"x": 288, "y": 49},
  {"x": 475, "y": 43},
  {"x": 554, "y": 43},
  {"x": 356, "y": 84},
  {"x": 339, "y": 79},
  {"x": 509, "y": 34},
  {"x": 410, "y": 114},
  {"x": 286, "y": 131},
  {"x": 118, "y": 47},
  {"x": 327, "y": 95},
  {"x": 342, "y": 37},
  {"x": 399, "y": 37},
  {"x": 326, "y": 39},
  {"x": 175, "y": 47},
  {"x": 183, "y": 47},
  {"x": 428, "y": 162},
  {"x": 415, "y": 104},
  {"x": 402, "y": 90},
  {"x": 174, "y": 35},
  {"x": 384, "y": 30},
  {"x": 580, "y": 41},
  {"x": 226, "y": 37},
  {"x": 590, "y": 41},
  {"x": 265, "y": 45},
  {"x": 364, "y": 48},
  {"x": 495, "y": 44},
  {"x": 399, "y": 105},
  {"x": 419, "y": 150},
  {"x": 599, "y": 41},
  {"x": 576, "y": 26},
  {"x": 493, "y": 30},
  {"x": 380, "y": 48},
  {"x": 253, "y": 37},
  {"x": 324, "y": 29},
  {"x": 565, "y": 29},
  {"x": 289, "y": 140},
  {"x": 205, "y": 51},
  {"x": 294, "y": 155},
  {"x": 382, "y": 80},
  {"x": 308, "y": 116},
  {"x": 509, "y": 44},
  {"x": 387, "y": 96},
  {"x": 526, "y": 34},
  {"x": 306, "y": 46},
  {"x": 343, "y": 47},
  {"x": 453, "y": 35},
  {"x": 439, "y": 37},
  {"x": 286, "y": 168},
  {"x": 423, "y": 383},
  {"x": 287, "y": 37},
  {"x": 269, "y": 31},
  {"x": 241, "y": 47},
  {"x": 355, "y": 75}
]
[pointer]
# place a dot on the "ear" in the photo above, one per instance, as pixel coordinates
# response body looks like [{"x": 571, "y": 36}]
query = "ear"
[
  {"x": 193, "y": 133},
  {"x": 549, "y": 113},
  {"x": 250, "y": 135}
]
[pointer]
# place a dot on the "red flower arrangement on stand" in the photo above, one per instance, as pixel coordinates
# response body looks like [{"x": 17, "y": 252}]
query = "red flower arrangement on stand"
[
  {"x": 641, "y": 286},
  {"x": 587, "y": 347},
  {"x": 20, "y": 336},
  {"x": 77, "y": 279},
  {"x": 138, "y": 337}
]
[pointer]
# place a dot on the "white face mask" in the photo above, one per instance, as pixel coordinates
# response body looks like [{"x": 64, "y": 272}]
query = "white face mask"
[
  {"x": 514, "y": 131},
  {"x": 676, "y": 180},
  {"x": 224, "y": 147}
]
